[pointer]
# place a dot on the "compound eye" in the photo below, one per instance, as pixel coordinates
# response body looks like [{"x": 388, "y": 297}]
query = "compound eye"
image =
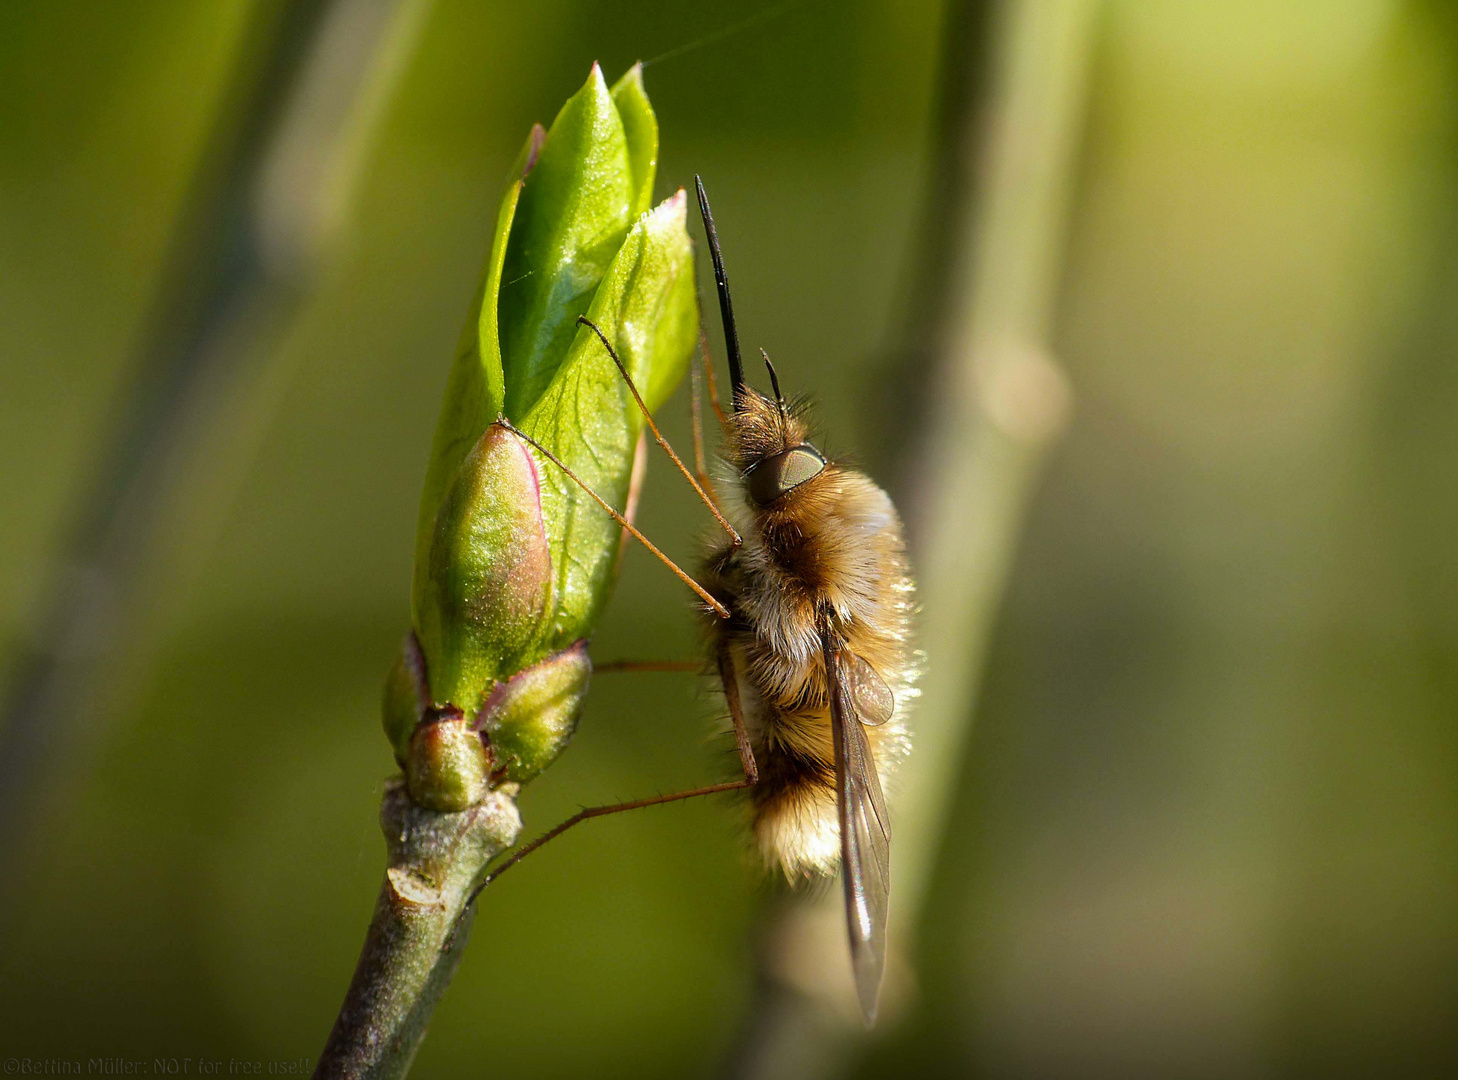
[{"x": 781, "y": 474}]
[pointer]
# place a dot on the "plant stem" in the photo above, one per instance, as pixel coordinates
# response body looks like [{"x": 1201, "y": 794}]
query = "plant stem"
[{"x": 418, "y": 933}]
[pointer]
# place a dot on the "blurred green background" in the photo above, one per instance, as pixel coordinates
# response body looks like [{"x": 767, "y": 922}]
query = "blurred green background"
[{"x": 1208, "y": 823}]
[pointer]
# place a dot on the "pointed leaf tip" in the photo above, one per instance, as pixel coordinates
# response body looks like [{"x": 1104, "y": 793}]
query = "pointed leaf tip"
[
  {"x": 576, "y": 207},
  {"x": 640, "y": 126},
  {"x": 527, "y": 160},
  {"x": 675, "y": 208}
]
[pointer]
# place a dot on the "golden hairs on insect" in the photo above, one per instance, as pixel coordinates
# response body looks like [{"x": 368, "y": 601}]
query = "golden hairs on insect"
[{"x": 827, "y": 552}]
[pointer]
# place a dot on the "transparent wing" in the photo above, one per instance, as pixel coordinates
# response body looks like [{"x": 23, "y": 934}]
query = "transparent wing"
[
  {"x": 870, "y": 698},
  {"x": 865, "y": 836}
]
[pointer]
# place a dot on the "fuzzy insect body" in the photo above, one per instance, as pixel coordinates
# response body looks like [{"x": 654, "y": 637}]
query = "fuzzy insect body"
[
  {"x": 814, "y": 652},
  {"x": 823, "y": 559}
]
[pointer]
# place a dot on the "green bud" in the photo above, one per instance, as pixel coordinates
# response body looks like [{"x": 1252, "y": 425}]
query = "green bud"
[
  {"x": 483, "y": 591},
  {"x": 530, "y": 718},
  {"x": 574, "y": 193},
  {"x": 405, "y": 698},
  {"x": 448, "y": 768},
  {"x": 513, "y": 560}
]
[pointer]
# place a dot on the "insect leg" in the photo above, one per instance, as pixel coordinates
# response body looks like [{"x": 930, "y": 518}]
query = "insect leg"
[
  {"x": 696, "y": 418},
  {"x": 736, "y": 713},
  {"x": 709, "y": 371},
  {"x": 583, "y": 320},
  {"x": 746, "y": 759},
  {"x": 635, "y": 491},
  {"x": 600, "y": 811},
  {"x": 719, "y": 609}
]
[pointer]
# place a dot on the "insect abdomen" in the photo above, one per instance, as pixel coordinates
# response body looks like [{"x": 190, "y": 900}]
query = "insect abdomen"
[{"x": 861, "y": 580}]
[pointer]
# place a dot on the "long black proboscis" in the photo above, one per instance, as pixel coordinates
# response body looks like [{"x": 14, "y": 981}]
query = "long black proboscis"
[{"x": 726, "y": 307}]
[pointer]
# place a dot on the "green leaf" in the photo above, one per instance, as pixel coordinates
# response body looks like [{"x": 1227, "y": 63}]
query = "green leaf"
[
  {"x": 476, "y": 387},
  {"x": 646, "y": 307},
  {"x": 575, "y": 209},
  {"x": 640, "y": 127}
]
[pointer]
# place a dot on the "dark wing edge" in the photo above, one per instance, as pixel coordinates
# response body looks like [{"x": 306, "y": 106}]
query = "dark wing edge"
[{"x": 865, "y": 837}]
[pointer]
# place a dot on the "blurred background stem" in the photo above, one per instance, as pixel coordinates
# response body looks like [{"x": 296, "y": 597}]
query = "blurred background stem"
[
  {"x": 997, "y": 399},
  {"x": 259, "y": 226}
]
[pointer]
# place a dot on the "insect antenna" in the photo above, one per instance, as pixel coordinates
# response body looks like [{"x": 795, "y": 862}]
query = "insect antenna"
[
  {"x": 719, "y": 609},
  {"x": 726, "y": 307},
  {"x": 775, "y": 382},
  {"x": 583, "y": 320}
]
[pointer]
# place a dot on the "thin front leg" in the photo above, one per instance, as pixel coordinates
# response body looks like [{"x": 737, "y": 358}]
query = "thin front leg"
[
  {"x": 719, "y": 609},
  {"x": 709, "y": 371},
  {"x": 696, "y": 416},
  {"x": 635, "y": 492},
  {"x": 583, "y": 320}
]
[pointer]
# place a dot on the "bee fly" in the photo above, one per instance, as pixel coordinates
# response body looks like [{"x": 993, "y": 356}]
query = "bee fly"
[{"x": 808, "y": 612}]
